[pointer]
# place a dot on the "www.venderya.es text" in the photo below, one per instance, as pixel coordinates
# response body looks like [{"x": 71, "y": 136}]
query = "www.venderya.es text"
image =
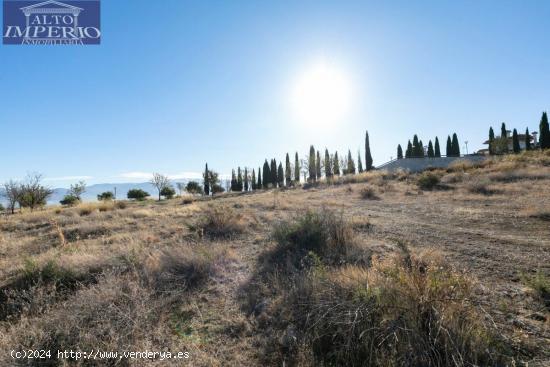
[{"x": 96, "y": 355}]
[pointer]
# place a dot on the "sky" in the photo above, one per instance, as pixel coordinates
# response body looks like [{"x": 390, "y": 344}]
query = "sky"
[{"x": 175, "y": 84}]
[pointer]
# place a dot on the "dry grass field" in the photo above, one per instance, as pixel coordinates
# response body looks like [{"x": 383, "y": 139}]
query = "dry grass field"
[{"x": 446, "y": 268}]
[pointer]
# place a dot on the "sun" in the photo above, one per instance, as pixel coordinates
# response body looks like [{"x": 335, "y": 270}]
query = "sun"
[{"x": 321, "y": 95}]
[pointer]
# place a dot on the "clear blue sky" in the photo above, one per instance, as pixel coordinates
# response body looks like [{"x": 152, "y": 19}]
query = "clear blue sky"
[{"x": 177, "y": 83}]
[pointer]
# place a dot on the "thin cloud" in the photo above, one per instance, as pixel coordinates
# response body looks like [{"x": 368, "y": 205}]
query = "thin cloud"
[
  {"x": 136, "y": 175},
  {"x": 147, "y": 176},
  {"x": 68, "y": 178}
]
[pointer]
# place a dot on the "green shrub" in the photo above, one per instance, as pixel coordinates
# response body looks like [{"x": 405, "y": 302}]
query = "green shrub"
[
  {"x": 540, "y": 283},
  {"x": 69, "y": 200},
  {"x": 193, "y": 187},
  {"x": 427, "y": 181},
  {"x": 137, "y": 194},
  {"x": 105, "y": 196},
  {"x": 168, "y": 192}
]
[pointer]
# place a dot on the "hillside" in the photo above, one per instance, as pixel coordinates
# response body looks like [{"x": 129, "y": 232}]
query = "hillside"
[{"x": 450, "y": 267}]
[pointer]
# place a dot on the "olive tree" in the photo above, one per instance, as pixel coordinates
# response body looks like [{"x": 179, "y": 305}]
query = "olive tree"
[{"x": 32, "y": 194}]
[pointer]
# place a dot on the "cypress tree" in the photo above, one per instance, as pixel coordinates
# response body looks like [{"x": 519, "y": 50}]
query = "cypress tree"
[
  {"x": 312, "y": 165},
  {"x": 455, "y": 146},
  {"x": 449, "y": 148},
  {"x": 288, "y": 171},
  {"x": 233, "y": 181},
  {"x": 359, "y": 163},
  {"x": 409, "y": 152},
  {"x": 368, "y": 156},
  {"x": 431, "y": 153},
  {"x": 206, "y": 179},
  {"x": 421, "y": 149},
  {"x": 527, "y": 139},
  {"x": 239, "y": 180},
  {"x": 503, "y": 132},
  {"x": 544, "y": 131},
  {"x": 415, "y": 147},
  {"x": 253, "y": 180},
  {"x": 246, "y": 183},
  {"x": 399, "y": 152},
  {"x": 336, "y": 165},
  {"x": 503, "y": 146},
  {"x": 328, "y": 166},
  {"x": 491, "y": 141},
  {"x": 266, "y": 175},
  {"x": 437, "y": 150},
  {"x": 280, "y": 175},
  {"x": 259, "y": 185},
  {"x": 296, "y": 169},
  {"x": 515, "y": 142},
  {"x": 318, "y": 166},
  {"x": 274, "y": 178},
  {"x": 351, "y": 164}
]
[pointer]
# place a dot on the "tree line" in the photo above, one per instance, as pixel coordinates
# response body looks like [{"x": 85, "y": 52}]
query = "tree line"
[
  {"x": 500, "y": 144},
  {"x": 415, "y": 149},
  {"x": 273, "y": 174}
]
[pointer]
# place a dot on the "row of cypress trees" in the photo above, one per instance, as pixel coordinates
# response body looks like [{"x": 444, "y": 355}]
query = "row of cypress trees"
[
  {"x": 273, "y": 174},
  {"x": 416, "y": 148},
  {"x": 499, "y": 145}
]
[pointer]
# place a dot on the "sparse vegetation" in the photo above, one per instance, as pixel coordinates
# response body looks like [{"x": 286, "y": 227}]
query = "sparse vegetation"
[
  {"x": 220, "y": 222},
  {"x": 368, "y": 193},
  {"x": 304, "y": 277}
]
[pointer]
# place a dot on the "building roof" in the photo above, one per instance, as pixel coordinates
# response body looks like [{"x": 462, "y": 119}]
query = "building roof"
[
  {"x": 520, "y": 137},
  {"x": 51, "y": 2}
]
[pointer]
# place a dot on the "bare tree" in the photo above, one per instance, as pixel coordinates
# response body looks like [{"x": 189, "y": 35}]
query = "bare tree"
[
  {"x": 160, "y": 182},
  {"x": 11, "y": 193},
  {"x": 32, "y": 193}
]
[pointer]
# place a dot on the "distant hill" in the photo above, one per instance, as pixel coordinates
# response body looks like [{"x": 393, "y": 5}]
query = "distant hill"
[{"x": 93, "y": 190}]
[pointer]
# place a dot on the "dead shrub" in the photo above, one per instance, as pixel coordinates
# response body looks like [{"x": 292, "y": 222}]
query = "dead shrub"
[
  {"x": 368, "y": 193},
  {"x": 106, "y": 206},
  {"x": 480, "y": 186},
  {"x": 324, "y": 234},
  {"x": 86, "y": 209},
  {"x": 413, "y": 310},
  {"x": 84, "y": 231},
  {"x": 187, "y": 201},
  {"x": 37, "y": 286},
  {"x": 141, "y": 213},
  {"x": 121, "y": 205},
  {"x": 454, "y": 177},
  {"x": 180, "y": 269},
  {"x": 460, "y": 165},
  {"x": 220, "y": 222}
]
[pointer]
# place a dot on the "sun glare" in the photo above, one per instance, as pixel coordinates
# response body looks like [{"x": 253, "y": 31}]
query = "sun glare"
[{"x": 321, "y": 95}]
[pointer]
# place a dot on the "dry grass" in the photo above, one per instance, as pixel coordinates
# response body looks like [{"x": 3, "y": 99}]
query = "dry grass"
[
  {"x": 308, "y": 277},
  {"x": 400, "y": 311},
  {"x": 220, "y": 222},
  {"x": 368, "y": 193}
]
